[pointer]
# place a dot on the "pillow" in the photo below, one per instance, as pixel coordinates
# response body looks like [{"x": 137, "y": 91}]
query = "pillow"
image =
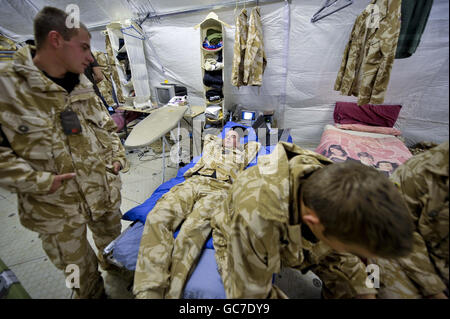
[
  {"x": 370, "y": 129},
  {"x": 374, "y": 115}
]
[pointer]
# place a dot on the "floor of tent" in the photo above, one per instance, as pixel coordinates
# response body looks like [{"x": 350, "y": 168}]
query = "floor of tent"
[{"x": 21, "y": 249}]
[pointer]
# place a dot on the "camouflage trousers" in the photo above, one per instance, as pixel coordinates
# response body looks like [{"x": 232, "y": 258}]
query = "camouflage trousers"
[
  {"x": 165, "y": 263},
  {"x": 71, "y": 247}
]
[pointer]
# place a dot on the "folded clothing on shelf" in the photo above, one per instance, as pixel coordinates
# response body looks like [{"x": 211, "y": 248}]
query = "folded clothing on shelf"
[
  {"x": 208, "y": 46},
  {"x": 213, "y": 112},
  {"x": 213, "y": 36},
  {"x": 214, "y": 95},
  {"x": 213, "y": 79},
  {"x": 213, "y": 61}
]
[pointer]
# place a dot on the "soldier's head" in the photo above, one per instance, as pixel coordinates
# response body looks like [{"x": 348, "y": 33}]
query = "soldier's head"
[
  {"x": 69, "y": 44},
  {"x": 232, "y": 139},
  {"x": 355, "y": 208}
]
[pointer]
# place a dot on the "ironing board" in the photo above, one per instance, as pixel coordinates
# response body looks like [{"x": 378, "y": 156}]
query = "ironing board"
[{"x": 155, "y": 126}]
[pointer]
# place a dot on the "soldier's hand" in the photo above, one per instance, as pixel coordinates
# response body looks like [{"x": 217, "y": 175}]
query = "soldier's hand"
[
  {"x": 117, "y": 167},
  {"x": 58, "y": 180}
]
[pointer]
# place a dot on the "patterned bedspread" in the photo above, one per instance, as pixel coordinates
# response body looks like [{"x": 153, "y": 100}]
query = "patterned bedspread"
[{"x": 384, "y": 152}]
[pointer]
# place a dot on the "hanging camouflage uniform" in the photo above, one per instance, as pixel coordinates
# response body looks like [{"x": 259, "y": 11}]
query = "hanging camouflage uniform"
[
  {"x": 105, "y": 86},
  {"x": 163, "y": 263},
  {"x": 113, "y": 68},
  {"x": 34, "y": 148},
  {"x": 240, "y": 43},
  {"x": 259, "y": 229},
  {"x": 370, "y": 53},
  {"x": 424, "y": 183},
  {"x": 255, "y": 56}
]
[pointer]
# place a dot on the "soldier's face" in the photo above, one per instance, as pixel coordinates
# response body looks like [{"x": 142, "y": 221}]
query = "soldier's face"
[
  {"x": 76, "y": 53},
  {"x": 231, "y": 139}
]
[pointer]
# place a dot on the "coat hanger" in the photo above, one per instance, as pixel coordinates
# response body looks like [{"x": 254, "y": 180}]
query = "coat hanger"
[
  {"x": 317, "y": 16},
  {"x": 139, "y": 35}
]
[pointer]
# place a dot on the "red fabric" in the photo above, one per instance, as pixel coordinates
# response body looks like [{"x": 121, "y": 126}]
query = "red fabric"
[{"x": 375, "y": 115}]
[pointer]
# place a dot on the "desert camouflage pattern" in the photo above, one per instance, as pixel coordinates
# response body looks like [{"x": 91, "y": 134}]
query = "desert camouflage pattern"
[
  {"x": 258, "y": 230},
  {"x": 164, "y": 264},
  {"x": 240, "y": 43},
  {"x": 255, "y": 57},
  {"x": 7, "y": 44},
  {"x": 225, "y": 162},
  {"x": 113, "y": 68},
  {"x": 423, "y": 182},
  {"x": 71, "y": 247},
  {"x": 370, "y": 53},
  {"x": 34, "y": 148},
  {"x": 105, "y": 86}
]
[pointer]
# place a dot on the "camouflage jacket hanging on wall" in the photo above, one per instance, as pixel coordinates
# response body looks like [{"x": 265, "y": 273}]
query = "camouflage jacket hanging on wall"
[
  {"x": 240, "y": 43},
  {"x": 370, "y": 52},
  {"x": 255, "y": 57}
]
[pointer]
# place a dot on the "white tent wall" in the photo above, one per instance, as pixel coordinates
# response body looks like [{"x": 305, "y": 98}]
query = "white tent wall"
[
  {"x": 418, "y": 83},
  {"x": 303, "y": 61}
]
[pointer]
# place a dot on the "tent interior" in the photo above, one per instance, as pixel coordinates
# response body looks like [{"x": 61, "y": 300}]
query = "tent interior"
[{"x": 303, "y": 59}]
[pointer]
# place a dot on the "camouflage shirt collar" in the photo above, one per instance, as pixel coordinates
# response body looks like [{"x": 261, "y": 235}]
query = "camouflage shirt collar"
[{"x": 23, "y": 64}]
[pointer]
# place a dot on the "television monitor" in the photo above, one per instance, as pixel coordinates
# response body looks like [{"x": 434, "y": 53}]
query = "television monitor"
[
  {"x": 248, "y": 115},
  {"x": 163, "y": 94}
]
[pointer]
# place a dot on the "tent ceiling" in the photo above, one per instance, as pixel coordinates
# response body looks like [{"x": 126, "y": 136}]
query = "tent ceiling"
[{"x": 16, "y": 17}]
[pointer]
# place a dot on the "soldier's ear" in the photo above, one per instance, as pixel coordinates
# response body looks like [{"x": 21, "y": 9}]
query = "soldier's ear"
[
  {"x": 54, "y": 39},
  {"x": 311, "y": 219}
]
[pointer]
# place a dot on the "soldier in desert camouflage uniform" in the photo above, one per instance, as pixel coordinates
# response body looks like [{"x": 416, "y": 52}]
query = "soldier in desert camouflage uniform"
[
  {"x": 68, "y": 178},
  {"x": 423, "y": 182},
  {"x": 164, "y": 263},
  {"x": 105, "y": 86},
  {"x": 370, "y": 53},
  {"x": 113, "y": 68},
  {"x": 296, "y": 209}
]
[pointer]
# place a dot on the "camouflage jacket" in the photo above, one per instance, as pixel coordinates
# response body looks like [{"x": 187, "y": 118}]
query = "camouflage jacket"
[
  {"x": 240, "y": 43},
  {"x": 255, "y": 57},
  {"x": 424, "y": 183},
  {"x": 262, "y": 231},
  {"x": 370, "y": 52},
  {"x": 34, "y": 148},
  {"x": 226, "y": 163}
]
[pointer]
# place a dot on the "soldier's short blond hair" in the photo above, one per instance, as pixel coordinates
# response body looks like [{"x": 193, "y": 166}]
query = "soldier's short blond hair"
[
  {"x": 357, "y": 204},
  {"x": 53, "y": 19}
]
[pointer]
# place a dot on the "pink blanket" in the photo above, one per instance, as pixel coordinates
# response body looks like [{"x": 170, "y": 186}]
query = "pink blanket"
[{"x": 385, "y": 153}]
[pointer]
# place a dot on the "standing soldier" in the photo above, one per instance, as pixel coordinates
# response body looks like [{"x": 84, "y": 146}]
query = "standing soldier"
[{"x": 58, "y": 149}]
